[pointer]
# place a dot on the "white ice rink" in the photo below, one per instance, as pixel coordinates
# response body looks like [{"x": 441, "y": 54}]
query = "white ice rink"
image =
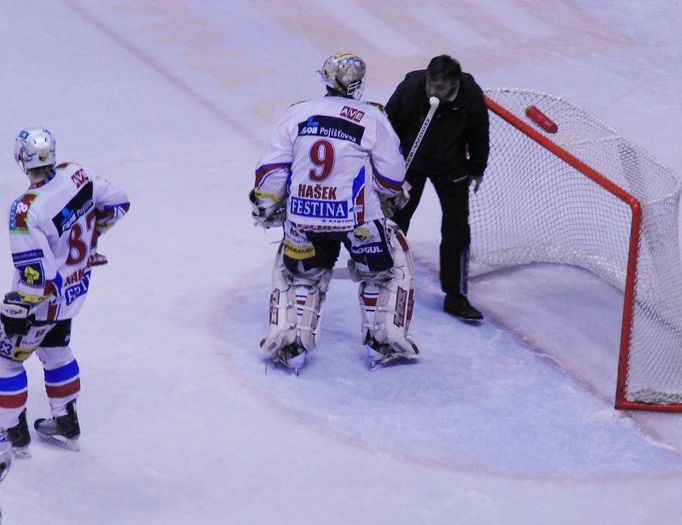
[{"x": 507, "y": 423}]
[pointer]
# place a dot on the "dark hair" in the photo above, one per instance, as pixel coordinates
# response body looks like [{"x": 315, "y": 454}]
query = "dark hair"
[{"x": 444, "y": 66}]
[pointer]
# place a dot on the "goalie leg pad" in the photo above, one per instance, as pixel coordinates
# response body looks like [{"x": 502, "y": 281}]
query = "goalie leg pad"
[
  {"x": 282, "y": 312},
  {"x": 311, "y": 291},
  {"x": 296, "y": 305},
  {"x": 387, "y": 300}
]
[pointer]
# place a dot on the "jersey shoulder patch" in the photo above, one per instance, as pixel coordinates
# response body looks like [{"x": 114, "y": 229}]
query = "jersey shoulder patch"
[{"x": 18, "y": 214}]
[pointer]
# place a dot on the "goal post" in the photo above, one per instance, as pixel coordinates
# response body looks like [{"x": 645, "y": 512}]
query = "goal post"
[{"x": 562, "y": 187}]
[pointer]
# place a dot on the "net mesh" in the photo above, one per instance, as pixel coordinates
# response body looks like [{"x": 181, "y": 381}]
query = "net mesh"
[{"x": 537, "y": 208}]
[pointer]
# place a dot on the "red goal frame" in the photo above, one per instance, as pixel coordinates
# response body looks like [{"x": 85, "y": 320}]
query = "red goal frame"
[{"x": 633, "y": 251}]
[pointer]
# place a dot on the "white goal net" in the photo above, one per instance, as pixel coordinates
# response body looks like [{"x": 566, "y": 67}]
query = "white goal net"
[{"x": 582, "y": 195}]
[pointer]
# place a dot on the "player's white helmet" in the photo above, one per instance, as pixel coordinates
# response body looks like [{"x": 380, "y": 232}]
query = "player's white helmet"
[
  {"x": 33, "y": 148},
  {"x": 345, "y": 73}
]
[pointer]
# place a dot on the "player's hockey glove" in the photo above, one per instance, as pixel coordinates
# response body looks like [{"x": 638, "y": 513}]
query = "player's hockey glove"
[
  {"x": 390, "y": 205},
  {"x": 16, "y": 315},
  {"x": 267, "y": 211},
  {"x": 97, "y": 259}
]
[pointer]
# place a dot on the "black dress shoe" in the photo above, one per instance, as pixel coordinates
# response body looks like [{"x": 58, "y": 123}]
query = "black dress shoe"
[{"x": 459, "y": 306}]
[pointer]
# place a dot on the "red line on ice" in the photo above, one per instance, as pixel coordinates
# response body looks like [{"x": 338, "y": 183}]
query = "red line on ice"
[{"x": 161, "y": 70}]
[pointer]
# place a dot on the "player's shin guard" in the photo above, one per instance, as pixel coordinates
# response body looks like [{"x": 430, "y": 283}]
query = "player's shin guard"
[
  {"x": 386, "y": 302},
  {"x": 295, "y": 311}
]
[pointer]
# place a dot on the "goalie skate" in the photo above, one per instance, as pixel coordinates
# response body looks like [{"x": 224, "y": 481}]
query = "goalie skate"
[
  {"x": 291, "y": 356},
  {"x": 383, "y": 355},
  {"x": 62, "y": 431}
]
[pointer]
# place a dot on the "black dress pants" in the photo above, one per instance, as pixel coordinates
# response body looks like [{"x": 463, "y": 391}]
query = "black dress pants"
[{"x": 455, "y": 231}]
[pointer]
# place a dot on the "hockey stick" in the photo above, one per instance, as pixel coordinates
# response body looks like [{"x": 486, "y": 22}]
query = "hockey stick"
[
  {"x": 342, "y": 272},
  {"x": 434, "y": 102}
]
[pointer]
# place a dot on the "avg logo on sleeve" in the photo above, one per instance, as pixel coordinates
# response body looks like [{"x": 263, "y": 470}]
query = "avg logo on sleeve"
[{"x": 18, "y": 215}]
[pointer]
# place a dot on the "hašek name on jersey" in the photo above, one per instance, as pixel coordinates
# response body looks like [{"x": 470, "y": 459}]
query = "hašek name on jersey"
[
  {"x": 331, "y": 127},
  {"x": 78, "y": 290},
  {"x": 325, "y": 193},
  {"x": 74, "y": 210},
  {"x": 318, "y": 209}
]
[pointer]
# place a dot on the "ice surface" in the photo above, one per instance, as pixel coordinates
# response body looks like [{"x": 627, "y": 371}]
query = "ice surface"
[{"x": 510, "y": 422}]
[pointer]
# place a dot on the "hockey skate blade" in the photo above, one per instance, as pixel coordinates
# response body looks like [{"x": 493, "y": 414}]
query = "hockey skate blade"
[
  {"x": 289, "y": 366},
  {"x": 470, "y": 322},
  {"x": 275, "y": 363},
  {"x": 390, "y": 360},
  {"x": 61, "y": 442}
]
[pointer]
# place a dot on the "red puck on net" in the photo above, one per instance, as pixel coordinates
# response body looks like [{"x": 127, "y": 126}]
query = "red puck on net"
[{"x": 541, "y": 119}]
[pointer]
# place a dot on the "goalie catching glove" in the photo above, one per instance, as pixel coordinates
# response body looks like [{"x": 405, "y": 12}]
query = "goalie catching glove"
[
  {"x": 16, "y": 315},
  {"x": 389, "y": 205},
  {"x": 269, "y": 211}
]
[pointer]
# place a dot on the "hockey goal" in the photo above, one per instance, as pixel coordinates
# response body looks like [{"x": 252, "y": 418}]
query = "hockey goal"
[{"x": 562, "y": 187}]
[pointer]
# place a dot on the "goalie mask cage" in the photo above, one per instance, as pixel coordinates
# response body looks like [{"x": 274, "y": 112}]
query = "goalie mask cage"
[{"x": 579, "y": 194}]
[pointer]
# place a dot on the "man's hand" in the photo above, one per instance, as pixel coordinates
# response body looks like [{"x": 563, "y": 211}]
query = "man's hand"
[{"x": 477, "y": 179}]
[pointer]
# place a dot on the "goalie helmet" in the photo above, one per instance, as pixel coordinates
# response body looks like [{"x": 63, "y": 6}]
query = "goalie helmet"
[
  {"x": 345, "y": 73},
  {"x": 33, "y": 148}
]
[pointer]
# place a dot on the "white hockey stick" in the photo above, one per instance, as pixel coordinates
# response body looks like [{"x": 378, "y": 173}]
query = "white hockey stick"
[{"x": 433, "y": 101}]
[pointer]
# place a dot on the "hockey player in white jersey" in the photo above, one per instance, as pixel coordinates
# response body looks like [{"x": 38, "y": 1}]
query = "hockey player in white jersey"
[
  {"x": 53, "y": 229},
  {"x": 329, "y": 167}
]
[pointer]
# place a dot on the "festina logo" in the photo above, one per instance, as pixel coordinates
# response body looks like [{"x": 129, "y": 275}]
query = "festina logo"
[{"x": 352, "y": 113}]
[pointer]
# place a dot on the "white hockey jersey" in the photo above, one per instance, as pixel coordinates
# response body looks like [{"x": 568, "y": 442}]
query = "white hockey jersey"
[
  {"x": 53, "y": 233},
  {"x": 331, "y": 157}
]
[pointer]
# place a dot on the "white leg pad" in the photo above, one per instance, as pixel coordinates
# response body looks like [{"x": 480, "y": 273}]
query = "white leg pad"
[
  {"x": 296, "y": 305},
  {"x": 387, "y": 299}
]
